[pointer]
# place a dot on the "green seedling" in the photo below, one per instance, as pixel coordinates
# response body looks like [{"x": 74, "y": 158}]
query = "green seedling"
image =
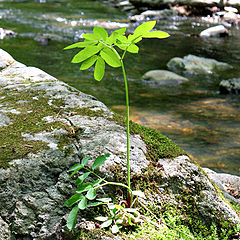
[{"x": 98, "y": 48}]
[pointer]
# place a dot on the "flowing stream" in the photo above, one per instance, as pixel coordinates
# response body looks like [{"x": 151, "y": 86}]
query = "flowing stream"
[{"x": 195, "y": 116}]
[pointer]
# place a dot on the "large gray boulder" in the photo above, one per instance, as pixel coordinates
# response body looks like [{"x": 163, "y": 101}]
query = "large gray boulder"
[
  {"x": 230, "y": 86},
  {"x": 47, "y": 126},
  {"x": 163, "y": 77},
  {"x": 191, "y": 65}
]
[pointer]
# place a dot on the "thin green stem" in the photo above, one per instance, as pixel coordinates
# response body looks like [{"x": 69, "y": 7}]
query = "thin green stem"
[
  {"x": 117, "y": 184},
  {"x": 128, "y": 130},
  {"x": 87, "y": 169}
]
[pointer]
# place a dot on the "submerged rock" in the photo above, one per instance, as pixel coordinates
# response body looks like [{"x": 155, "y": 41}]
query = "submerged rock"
[
  {"x": 217, "y": 31},
  {"x": 230, "y": 86},
  {"x": 55, "y": 127},
  {"x": 193, "y": 65},
  {"x": 163, "y": 77}
]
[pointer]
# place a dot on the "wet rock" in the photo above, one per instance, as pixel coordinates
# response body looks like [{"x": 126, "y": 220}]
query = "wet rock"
[
  {"x": 183, "y": 177},
  {"x": 229, "y": 184},
  {"x": 154, "y": 14},
  {"x": 4, "y": 230},
  {"x": 191, "y": 65},
  {"x": 162, "y": 77},
  {"x": 217, "y": 31},
  {"x": 4, "y": 33},
  {"x": 230, "y": 86}
]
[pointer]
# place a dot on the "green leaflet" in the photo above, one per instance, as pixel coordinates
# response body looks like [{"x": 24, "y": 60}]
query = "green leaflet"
[
  {"x": 91, "y": 194},
  {"x": 84, "y": 187},
  {"x": 110, "y": 57},
  {"x": 110, "y": 40},
  {"x": 90, "y": 36},
  {"x": 155, "y": 34},
  {"x": 130, "y": 48},
  {"x": 80, "y": 44},
  {"x": 81, "y": 178},
  {"x": 88, "y": 62},
  {"x": 106, "y": 224},
  {"x": 100, "y": 32},
  {"x": 83, "y": 203},
  {"x": 145, "y": 27},
  {"x": 100, "y": 160},
  {"x": 73, "y": 199},
  {"x": 99, "y": 69},
  {"x": 85, "y": 160},
  {"x": 72, "y": 218},
  {"x": 85, "y": 54}
]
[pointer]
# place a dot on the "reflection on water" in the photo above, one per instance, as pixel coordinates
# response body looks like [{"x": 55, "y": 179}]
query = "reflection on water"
[{"x": 194, "y": 115}]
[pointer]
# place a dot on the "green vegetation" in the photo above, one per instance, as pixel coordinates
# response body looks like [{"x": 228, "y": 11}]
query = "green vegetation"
[{"x": 29, "y": 120}]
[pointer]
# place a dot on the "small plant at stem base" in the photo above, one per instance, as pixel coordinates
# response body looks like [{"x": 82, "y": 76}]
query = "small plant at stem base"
[{"x": 99, "y": 48}]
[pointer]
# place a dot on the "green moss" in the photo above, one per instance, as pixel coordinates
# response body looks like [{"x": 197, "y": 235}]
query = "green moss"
[
  {"x": 158, "y": 145},
  {"x": 30, "y": 120}
]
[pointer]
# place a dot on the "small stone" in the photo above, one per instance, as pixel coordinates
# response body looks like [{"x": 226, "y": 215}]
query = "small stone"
[{"x": 217, "y": 31}]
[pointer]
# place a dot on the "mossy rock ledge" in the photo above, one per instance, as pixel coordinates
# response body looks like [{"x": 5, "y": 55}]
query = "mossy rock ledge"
[{"x": 47, "y": 126}]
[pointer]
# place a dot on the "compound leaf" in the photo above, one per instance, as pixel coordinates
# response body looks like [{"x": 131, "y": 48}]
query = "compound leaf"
[
  {"x": 91, "y": 36},
  {"x": 110, "y": 57},
  {"x": 133, "y": 48},
  {"x": 99, "y": 69},
  {"x": 88, "y": 62},
  {"x": 155, "y": 34},
  {"x": 83, "y": 203},
  {"x": 100, "y": 32},
  {"x": 73, "y": 199},
  {"x": 110, "y": 40},
  {"x": 100, "y": 160},
  {"x": 91, "y": 194},
  {"x": 85, "y": 54},
  {"x": 72, "y": 218}
]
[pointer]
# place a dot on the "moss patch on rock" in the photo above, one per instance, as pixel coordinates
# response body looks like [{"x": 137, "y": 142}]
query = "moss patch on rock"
[
  {"x": 29, "y": 120},
  {"x": 158, "y": 145}
]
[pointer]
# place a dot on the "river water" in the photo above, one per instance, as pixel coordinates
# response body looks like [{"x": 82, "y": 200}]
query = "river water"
[{"x": 195, "y": 116}]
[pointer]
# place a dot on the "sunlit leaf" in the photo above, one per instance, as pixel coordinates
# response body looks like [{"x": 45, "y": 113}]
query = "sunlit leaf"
[
  {"x": 114, "y": 35},
  {"x": 134, "y": 38},
  {"x": 100, "y": 160},
  {"x": 91, "y": 36},
  {"x": 80, "y": 44},
  {"x": 72, "y": 218},
  {"x": 106, "y": 224},
  {"x": 91, "y": 194},
  {"x": 94, "y": 204},
  {"x": 81, "y": 178},
  {"x": 85, "y": 54},
  {"x": 145, "y": 27},
  {"x": 105, "y": 200},
  {"x": 114, "y": 229},
  {"x": 84, "y": 187},
  {"x": 155, "y": 34},
  {"x": 73, "y": 199},
  {"x": 101, "y": 219},
  {"x": 99, "y": 69},
  {"x": 83, "y": 203},
  {"x": 110, "y": 57},
  {"x": 88, "y": 62},
  {"x": 133, "y": 48},
  {"x": 100, "y": 32},
  {"x": 75, "y": 167}
]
